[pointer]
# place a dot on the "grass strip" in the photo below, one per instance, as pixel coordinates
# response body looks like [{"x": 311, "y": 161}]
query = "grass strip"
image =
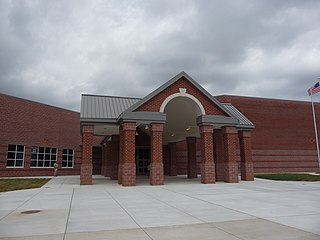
[
  {"x": 21, "y": 183},
  {"x": 290, "y": 177}
]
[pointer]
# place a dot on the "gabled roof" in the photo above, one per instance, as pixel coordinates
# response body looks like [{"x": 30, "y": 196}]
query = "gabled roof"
[
  {"x": 106, "y": 109},
  {"x": 169, "y": 83},
  {"x": 97, "y": 108}
]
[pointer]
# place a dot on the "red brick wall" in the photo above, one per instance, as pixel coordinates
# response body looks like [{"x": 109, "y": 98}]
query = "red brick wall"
[
  {"x": 154, "y": 104},
  {"x": 35, "y": 124},
  {"x": 283, "y": 139}
]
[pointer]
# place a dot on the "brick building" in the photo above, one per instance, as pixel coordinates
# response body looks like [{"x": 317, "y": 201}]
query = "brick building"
[{"x": 178, "y": 129}]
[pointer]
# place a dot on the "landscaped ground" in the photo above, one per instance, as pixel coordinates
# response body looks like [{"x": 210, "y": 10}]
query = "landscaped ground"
[
  {"x": 21, "y": 183},
  {"x": 290, "y": 177}
]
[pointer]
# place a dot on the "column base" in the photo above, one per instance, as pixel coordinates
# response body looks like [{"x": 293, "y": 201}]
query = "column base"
[
  {"x": 156, "y": 174},
  {"x": 128, "y": 171},
  {"x": 173, "y": 171},
  {"x": 119, "y": 174},
  {"x": 247, "y": 172},
  {"x": 231, "y": 173},
  {"x": 220, "y": 172},
  {"x": 207, "y": 173},
  {"x": 114, "y": 172},
  {"x": 86, "y": 174},
  {"x": 192, "y": 175}
]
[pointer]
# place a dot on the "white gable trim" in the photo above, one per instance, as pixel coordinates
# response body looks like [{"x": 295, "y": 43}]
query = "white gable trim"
[{"x": 182, "y": 93}]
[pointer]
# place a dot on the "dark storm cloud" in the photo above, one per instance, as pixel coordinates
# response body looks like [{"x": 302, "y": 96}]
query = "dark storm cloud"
[{"x": 52, "y": 51}]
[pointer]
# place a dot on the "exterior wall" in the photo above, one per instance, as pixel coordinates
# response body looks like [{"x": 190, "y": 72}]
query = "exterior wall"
[
  {"x": 34, "y": 124},
  {"x": 283, "y": 140},
  {"x": 154, "y": 104}
]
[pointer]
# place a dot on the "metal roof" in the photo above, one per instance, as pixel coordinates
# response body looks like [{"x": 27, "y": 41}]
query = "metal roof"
[
  {"x": 243, "y": 121},
  {"x": 169, "y": 83},
  {"x": 104, "y": 107}
]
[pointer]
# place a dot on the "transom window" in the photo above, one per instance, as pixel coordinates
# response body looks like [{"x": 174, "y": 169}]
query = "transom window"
[
  {"x": 43, "y": 156},
  {"x": 67, "y": 158},
  {"x": 15, "y": 155}
]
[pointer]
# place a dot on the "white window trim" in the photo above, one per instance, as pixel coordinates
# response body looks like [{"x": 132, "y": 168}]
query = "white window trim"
[
  {"x": 15, "y": 158},
  {"x": 57, "y": 150},
  {"x": 67, "y": 157}
]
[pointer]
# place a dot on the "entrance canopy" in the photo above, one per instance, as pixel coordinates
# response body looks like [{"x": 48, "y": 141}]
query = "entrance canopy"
[{"x": 181, "y": 112}]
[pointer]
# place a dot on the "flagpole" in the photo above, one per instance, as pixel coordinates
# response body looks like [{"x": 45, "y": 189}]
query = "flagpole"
[{"x": 315, "y": 128}]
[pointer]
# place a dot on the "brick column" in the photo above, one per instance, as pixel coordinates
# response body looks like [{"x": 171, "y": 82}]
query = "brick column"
[
  {"x": 86, "y": 164},
  {"x": 107, "y": 163},
  {"x": 230, "y": 154},
  {"x": 247, "y": 172},
  {"x": 207, "y": 158},
  {"x": 192, "y": 157},
  {"x": 219, "y": 155},
  {"x": 114, "y": 155},
  {"x": 173, "y": 159},
  {"x": 156, "y": 166},
  {"x": 128, "y": 147},
  {"x": 121, "y": 140}
]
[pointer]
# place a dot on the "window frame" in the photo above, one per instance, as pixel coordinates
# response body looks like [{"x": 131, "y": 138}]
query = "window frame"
[
  {"x": 44, "y": 154},
  {"x": 67, "y": 156},
  {"x": 15, "y": 155}
]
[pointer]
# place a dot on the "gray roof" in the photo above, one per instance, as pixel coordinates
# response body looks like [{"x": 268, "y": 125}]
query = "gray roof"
[
  {"x": 97, "y": 108},
  {"x": 104, "y": 108},
  {"x": 243, "y": 121},
  {"x": 169, "y": 83}
]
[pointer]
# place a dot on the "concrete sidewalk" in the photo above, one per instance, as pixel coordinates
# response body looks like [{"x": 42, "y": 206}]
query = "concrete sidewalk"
[{"x": 180, "y": 209}]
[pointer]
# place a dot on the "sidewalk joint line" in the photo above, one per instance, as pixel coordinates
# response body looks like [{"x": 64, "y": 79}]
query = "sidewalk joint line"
[
  {"x": 22, "y": 204},
  {"x": 129, "y": 214},
  {"x": 70, "y": 205}
]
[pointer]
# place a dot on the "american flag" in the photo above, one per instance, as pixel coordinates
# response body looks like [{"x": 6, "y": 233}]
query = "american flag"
[{"x": 314, "y": 89}]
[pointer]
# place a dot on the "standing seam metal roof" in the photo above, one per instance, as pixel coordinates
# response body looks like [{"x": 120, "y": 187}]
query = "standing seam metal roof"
[
  {"x": 243, "y": 121},
  {"x": 104, "y": 107},
  {"x": 109, "y": 107}
]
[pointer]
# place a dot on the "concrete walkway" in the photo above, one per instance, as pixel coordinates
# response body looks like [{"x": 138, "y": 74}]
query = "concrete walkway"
[{"x": 180, "y": 209}]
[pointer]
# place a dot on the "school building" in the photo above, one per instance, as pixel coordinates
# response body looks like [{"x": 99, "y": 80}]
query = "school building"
[{"x": 178, "y": 129}]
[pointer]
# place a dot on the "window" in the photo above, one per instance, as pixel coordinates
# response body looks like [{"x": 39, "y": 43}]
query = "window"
[
  {"x": 43, "y": 156},
  {"x": 67, "y": 158},
  {"x": 15, "y": 155}
]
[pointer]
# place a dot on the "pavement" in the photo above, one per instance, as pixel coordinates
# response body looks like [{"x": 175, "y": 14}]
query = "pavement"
[{"x": 181, "y": 209}]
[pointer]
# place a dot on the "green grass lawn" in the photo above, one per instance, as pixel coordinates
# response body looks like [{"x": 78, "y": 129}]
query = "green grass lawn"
[
  {"x": 290, "y": 177},
  {"x": 21, "y": 183}
]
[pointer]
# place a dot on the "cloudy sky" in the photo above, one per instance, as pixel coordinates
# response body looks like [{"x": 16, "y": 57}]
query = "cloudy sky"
[{"x": 52, "y": 51}]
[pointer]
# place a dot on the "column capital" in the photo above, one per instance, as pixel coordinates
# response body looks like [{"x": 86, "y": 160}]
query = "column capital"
[
  {"x": 129, "y": 126},
  {"x": 245, "y": 134},
  {"x": 230, "y": 130},
  {"x": 156, "y": 127},
  {"x": 206, "y": 128},
  {"x": 87, "y": 129}
]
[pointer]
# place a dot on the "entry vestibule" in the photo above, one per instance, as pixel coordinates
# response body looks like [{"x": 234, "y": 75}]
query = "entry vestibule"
[{"x": 181, "y": 116}]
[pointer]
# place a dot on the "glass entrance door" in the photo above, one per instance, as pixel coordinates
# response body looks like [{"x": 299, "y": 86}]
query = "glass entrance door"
[{"x": 142, "y": 160}]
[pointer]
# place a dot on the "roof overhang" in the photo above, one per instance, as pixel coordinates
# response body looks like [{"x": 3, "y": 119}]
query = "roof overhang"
[
  {"x": 143, "y": 117},
  {"x": 217, "y": 120}
]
